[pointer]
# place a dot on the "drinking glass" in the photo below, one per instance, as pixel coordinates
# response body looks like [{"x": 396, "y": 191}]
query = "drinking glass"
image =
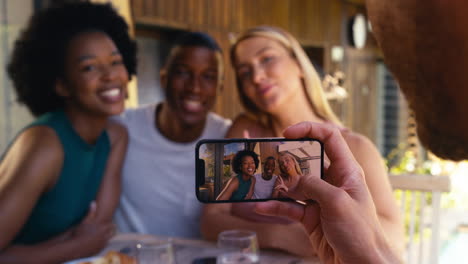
[
  {"x": 239, "y": 246},
  {"x": 155, "y": 253}
]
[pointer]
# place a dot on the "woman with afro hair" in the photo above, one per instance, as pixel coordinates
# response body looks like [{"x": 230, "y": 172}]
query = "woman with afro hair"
[
  {"x": 241, "y": 187},
  {"x": 60, "y": 177}
]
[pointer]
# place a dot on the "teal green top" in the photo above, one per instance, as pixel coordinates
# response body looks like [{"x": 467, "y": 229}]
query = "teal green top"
[
  {"x": 243, "y": 189},
  {"x": 68, "y": 201}
]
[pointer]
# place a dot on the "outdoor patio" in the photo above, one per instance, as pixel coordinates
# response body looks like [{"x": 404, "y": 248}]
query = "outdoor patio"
[{"x": 357, "y": 83}]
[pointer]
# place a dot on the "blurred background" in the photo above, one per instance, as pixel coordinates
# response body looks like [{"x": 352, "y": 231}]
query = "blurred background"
[
  {"x": 338, "y": 39},
  {"x": 334, "y": 33}
]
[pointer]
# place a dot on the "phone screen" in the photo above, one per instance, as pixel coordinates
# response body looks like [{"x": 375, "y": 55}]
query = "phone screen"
[
  {"x": 240, "y": 170},
  {"x": 205, "y": 260}
]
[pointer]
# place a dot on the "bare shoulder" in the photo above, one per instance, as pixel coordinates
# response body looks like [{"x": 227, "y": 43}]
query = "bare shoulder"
[
  {"x": 243, "y": 123},
  {"x": 356, "y": 140},
  {"x": 117, "y": 132},
  {"x": 234, "y": 181},
  {"x": 361, "y": 146},
  {"x": 39, "y": 140},
  {"x": 35, "y": 157}
]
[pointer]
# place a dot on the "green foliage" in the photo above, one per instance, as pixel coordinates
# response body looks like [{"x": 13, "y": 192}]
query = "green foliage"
[
  {"x": 406, "y": 163},
  {"x": 227, "y": 174},
  {"x": 208, "y": 156}
]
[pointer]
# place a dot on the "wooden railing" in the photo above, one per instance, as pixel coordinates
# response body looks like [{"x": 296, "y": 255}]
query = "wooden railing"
[{"x": 415, "y": 190}]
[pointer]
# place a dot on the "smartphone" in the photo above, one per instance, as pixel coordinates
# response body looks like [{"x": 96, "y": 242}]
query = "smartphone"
[
  {"x": 205, "y": 260},
  {"x": 246, "y": 170}
]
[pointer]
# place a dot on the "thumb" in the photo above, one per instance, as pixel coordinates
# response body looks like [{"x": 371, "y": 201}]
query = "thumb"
[
  {"x": 91, "y": 212},
  {"x": 313, "y": 188}
]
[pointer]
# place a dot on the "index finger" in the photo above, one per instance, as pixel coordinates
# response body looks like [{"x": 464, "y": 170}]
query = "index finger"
[{"x": 336, "y": 147}]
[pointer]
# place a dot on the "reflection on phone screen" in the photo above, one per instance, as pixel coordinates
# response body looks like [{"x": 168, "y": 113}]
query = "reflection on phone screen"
[{"x": 254, "y": 169}]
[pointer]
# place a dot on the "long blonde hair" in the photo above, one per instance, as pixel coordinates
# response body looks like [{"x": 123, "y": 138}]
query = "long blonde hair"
[{"x": 311, "y": 80}]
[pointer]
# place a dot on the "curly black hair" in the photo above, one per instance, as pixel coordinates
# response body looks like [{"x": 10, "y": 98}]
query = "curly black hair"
[
  {"x": 197, "y": 39},
  {"x": 237, "y": 160},
  {"x": 38, "y": 58}
]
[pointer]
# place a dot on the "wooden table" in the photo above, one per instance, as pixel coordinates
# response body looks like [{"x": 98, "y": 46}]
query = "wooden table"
[{"x": 186, "y": 250}]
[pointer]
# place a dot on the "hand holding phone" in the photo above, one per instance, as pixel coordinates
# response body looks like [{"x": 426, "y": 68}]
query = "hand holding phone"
[{"x": 239, "y": 170}]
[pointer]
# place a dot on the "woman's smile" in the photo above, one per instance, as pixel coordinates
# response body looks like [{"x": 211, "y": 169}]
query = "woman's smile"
[{"x": 248, "y": 166}]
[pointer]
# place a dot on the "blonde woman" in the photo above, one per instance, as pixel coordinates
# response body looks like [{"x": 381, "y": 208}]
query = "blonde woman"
[
  {"x": 279, "y": 87},
  {"x": 289, "y": 177}
]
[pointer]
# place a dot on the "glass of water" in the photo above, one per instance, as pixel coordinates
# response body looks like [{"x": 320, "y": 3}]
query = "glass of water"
[
  {"x": 155, "y": 253},
  {"x": 239, "y": 246}
]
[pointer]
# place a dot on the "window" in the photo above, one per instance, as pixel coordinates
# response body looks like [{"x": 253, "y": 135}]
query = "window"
[
  {"x": 13, "y": 116},
  {"x": 389, "y": 111}
]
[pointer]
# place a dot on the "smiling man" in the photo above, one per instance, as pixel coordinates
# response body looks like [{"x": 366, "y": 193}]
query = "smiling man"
[
  {"x": 158, "y": 177},
  {"x": 265, "y": 181}
]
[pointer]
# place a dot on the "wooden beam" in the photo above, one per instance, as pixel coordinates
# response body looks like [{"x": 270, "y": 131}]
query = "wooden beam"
[
  {"x": 356, "y": 2},
  {"x": 162, "y": 22},
  {"x": 294, "y": 145}
]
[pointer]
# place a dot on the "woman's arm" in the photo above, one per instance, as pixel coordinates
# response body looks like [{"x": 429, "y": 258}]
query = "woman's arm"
[
  {"x": 251, "y": 190},
  {"x": 32, "y": 165},
  {"x": 230, "y": 188},
  {"x": 84, "y": 240},
  {"x": 378, "y": 183},
  {"x": 109, "y": 191}
]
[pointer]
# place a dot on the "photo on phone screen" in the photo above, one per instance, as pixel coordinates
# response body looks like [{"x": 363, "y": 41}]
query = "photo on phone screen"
[{"x": 239, "y": 170}]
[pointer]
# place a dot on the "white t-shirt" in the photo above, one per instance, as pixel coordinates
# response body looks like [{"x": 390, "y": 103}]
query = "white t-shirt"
[
  {"x": 158, "y": 177},
  {"x": 263, "y": 188}
]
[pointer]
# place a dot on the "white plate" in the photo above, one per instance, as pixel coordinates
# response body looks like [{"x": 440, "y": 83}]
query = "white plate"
[{"x": 77, "y": 261}]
